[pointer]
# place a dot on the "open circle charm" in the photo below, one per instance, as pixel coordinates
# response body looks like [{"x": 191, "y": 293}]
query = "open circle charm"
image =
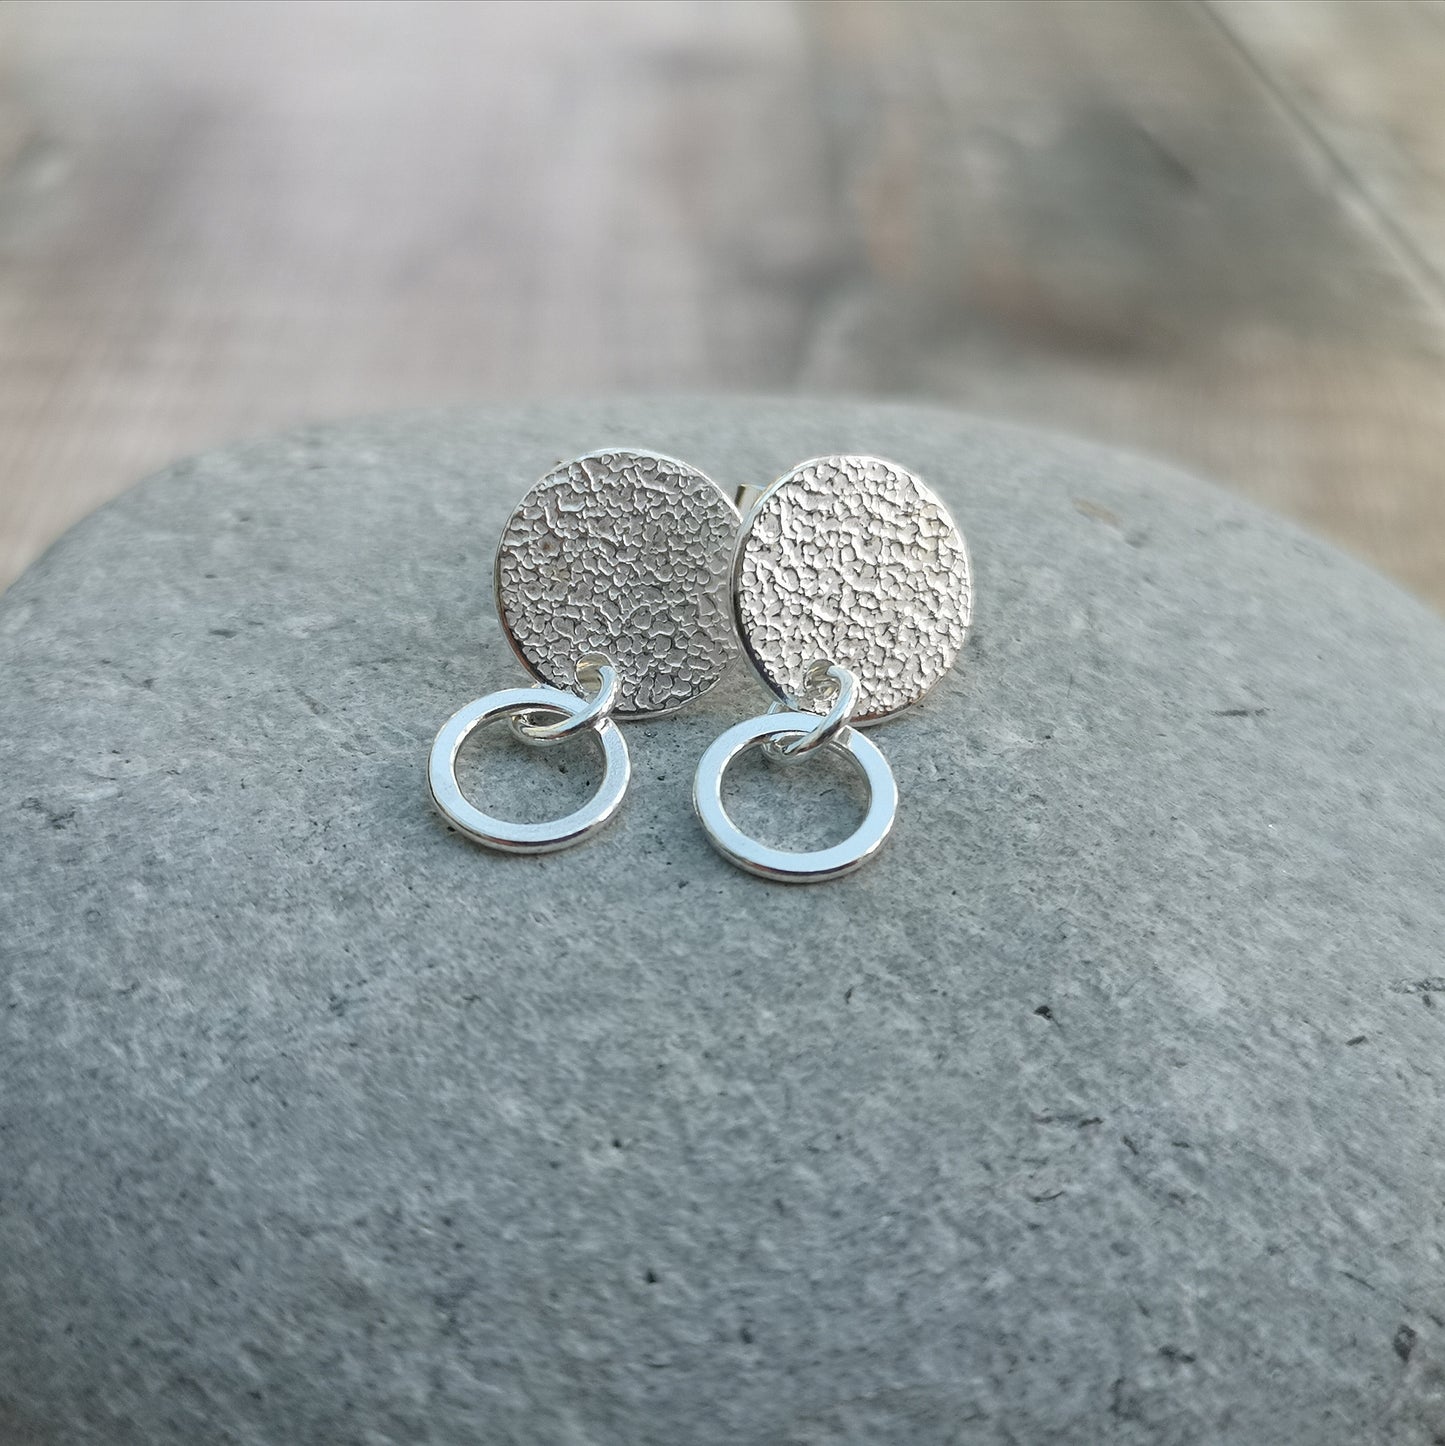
[
  {"x": 504, "y": 834},
  {"x": 787, "y": 865}
]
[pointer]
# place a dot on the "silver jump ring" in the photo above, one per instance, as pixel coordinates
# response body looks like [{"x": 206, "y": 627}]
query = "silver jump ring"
[
  {"x": 504, "y": 834},
  {"x": 786, "y": 865},
  {"x": 845, "y": 701},
  {"x": 594, "y": 671}
]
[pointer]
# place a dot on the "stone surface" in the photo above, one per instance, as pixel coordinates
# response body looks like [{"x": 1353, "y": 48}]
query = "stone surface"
[{"x": 1105, "y": 1106}]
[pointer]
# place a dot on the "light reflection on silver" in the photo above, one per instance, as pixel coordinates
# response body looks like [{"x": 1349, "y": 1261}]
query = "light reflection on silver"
[
  {"x": 505, "y": 834},
  {"x": 595, "y": 676},
  {"x": 856, "y": 561},
  {"x": 627, "y": 553},
  {"x": 845, "y": 703},
  {"x": 788, "y": 865}
]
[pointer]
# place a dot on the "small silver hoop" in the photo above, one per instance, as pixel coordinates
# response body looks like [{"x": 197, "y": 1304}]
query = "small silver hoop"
[
  {"x": 845, "y": 700},
  {"x": 787, "y": 865},
  {"x": 504, "y": 834},
  {"x": 594, "y": 671}
]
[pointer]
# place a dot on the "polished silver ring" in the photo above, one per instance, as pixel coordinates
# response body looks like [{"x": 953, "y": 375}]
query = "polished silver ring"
[
  {"x": 595, "y": 671},
  {"x": 787, "y": 865},
  {"x": 845, "y": 700},
  {"x": 504, "y": 834}
]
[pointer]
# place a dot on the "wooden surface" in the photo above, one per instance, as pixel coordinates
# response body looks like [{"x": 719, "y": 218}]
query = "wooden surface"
[{"x": 1214, "y": 231}]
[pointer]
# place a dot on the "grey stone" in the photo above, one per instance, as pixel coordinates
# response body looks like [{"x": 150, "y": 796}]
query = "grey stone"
[{"x": 1105, "y": 1106}]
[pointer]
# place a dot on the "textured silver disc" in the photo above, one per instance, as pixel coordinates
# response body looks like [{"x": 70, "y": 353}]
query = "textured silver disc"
[
  {"x": 626, "y": 554},
  {"x": 854, "y": 561}
]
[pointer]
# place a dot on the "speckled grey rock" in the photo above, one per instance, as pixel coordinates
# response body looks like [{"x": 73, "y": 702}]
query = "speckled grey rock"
[{"x": 1105, "y": 1106}]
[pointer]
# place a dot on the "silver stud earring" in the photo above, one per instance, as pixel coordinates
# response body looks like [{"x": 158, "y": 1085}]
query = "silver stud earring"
[
  {"x": 852, "y": 597},
  {"x": 611, "y": 583}
]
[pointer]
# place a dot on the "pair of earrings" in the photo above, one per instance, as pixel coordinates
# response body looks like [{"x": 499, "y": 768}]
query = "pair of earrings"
[{"x": 625, "y": 582}]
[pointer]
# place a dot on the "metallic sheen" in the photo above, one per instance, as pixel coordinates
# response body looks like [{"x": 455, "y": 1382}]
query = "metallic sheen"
[
  {"x": 624, "y": 553},
  {"x": 839, "y": 715},
  {"x": 853, "y": 560},
  {"x": 597, "y": 683},
  {"x": 786, "y": 865},
  {"x": 504, "y": 834}
]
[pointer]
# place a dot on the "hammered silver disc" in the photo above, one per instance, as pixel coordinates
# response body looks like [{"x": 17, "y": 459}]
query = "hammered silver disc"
[
  {"x": 855, "y": 561},
  {"x": 626, "y": 554}
]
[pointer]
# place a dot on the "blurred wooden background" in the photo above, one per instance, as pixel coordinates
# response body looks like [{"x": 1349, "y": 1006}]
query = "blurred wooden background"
[{"x": 1212, "y": 230}]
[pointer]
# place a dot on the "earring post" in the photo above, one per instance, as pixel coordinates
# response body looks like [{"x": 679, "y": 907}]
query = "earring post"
[{"x": 746, "y": 495}]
